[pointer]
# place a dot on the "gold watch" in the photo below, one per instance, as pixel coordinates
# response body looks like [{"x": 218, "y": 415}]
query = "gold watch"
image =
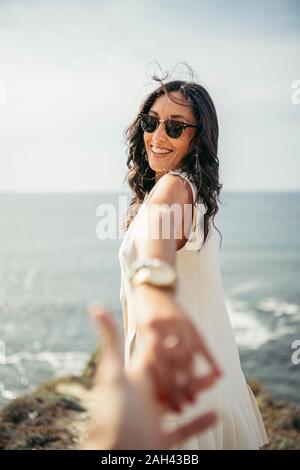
[{"x": 153, "y": 271}]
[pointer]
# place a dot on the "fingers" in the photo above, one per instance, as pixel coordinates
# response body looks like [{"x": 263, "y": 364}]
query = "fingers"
[
  {"x": 172, "y": 366},
  {"x": 161, "y": 393},
  {"x": 111, "y": 354},
  {"x": 176, "y": 384},
  {"x": 163, "y": 384},
  {"x": 175, "y": 379},
  {"x": 164, "y": 387},
  {"x": 184, "y": 385},
  {"x": 180, "y": 380},
  {"x": 195, "y": 384},
  {"x": 187, "y": 430},
  {"x": 108, "y": 330},
  {"x": 202, "y": 383},
  {"x": 173, "y": 394}
]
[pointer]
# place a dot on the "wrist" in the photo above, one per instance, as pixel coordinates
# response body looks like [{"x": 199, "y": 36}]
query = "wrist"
[
  {"x": 154, "y": 272},
  {"x": 151, "y": 303},
  {"x": 155, "y": 290}
]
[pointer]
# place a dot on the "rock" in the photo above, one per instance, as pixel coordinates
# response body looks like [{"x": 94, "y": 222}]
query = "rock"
[
  {"x": 45, "y": 418},
  {"x": 54, "y": 416}
]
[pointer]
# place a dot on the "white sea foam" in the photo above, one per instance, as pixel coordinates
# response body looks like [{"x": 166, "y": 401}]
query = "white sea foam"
[
  {"x": 6, "y": 394},
  {"x": 279, "y": 308},
  {"x": 250, "y": 331},
  {"x": 61, "y": 362}
]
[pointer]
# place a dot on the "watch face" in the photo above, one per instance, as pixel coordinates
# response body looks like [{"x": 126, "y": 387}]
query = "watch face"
[
  {"x": 158, "y": 276},
  {"x": 163, "y": 277}
]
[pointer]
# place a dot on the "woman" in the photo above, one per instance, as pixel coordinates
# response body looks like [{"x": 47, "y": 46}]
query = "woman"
[{"x": 175, "y": 281}]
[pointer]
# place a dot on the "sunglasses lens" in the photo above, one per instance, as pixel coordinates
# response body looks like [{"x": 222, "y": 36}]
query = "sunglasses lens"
[
  {"x": 174, "y": 129},
  {"x": 148, "y": 123}
]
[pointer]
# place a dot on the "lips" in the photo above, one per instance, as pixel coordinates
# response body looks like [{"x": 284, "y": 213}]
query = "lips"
[{"x": 160, "y": 150}]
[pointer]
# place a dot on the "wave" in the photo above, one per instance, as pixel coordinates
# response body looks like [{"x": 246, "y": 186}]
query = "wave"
[
  {"x": 252, "y": 332},
  {"x": 279, "y": 308},
  {"x": 61, "y": 363},
  {"x": 70, "y": 362}
]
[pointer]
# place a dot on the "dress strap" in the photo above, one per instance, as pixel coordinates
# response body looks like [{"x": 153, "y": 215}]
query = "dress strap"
[
  {"x": 196, "y": 236},
  {"x": 184, "y": 175}
]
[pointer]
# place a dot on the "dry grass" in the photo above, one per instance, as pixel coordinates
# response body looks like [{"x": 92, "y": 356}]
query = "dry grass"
[{"x": 54, "y": 415}]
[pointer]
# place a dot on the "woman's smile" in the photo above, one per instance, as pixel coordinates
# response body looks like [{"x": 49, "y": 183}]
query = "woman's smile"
[{"x": 160, "y": 151}]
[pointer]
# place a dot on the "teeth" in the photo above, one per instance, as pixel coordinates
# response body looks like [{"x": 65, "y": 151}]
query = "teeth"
[{"x": 157, "y": 150}]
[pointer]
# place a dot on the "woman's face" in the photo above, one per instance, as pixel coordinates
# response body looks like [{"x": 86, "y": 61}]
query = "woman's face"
[{"x": 164, "y": 108}]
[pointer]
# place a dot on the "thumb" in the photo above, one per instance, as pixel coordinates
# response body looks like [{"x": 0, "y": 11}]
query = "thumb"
[{"x": 110, "y": 341}]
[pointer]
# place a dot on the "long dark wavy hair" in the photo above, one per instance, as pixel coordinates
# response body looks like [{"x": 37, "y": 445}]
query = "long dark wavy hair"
[{"x": 201, "y": 163}]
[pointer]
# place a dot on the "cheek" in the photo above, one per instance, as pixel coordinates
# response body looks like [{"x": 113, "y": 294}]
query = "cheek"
[
  {"x": 186, "y": 144},
  {"x": 146, "y": 139},
  {"x": 182, "y": 148}
]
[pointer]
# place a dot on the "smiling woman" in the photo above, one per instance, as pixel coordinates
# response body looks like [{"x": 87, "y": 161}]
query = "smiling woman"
[{"x": 181, "y": 329}]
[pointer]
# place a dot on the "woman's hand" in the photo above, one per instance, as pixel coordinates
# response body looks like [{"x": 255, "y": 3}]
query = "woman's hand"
[
  {"x": 170, "y": 342},
  {"x": 123, "y": 413}
]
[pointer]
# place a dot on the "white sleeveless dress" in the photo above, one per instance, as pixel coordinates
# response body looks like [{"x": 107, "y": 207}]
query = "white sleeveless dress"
[{"x": 200, "y": 293}]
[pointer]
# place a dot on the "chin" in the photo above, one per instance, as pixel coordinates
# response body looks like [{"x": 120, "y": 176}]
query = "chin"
[
  {"x": 155, "y": 166},
  {"x": 158, "y": 167}
]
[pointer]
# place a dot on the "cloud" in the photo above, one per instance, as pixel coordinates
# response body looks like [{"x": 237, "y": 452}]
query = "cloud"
[{"x": 75, "y": 73}]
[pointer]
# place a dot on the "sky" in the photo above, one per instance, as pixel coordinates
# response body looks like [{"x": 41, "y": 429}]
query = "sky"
[{"x": 73, "y": 74}]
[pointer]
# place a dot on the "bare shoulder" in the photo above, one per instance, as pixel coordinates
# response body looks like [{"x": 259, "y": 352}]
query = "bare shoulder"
[{"x": 172, "y": 189}]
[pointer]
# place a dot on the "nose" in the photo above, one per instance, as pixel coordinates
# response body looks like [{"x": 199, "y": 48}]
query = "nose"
[{"x": 160, "y": 133}]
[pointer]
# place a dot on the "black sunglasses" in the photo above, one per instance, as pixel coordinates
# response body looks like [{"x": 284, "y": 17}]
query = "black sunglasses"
[{"x": 174, "y": 129}]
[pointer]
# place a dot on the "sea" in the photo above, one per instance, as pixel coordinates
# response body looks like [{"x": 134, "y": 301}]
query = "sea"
[{"x": 56, "y": 263}]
